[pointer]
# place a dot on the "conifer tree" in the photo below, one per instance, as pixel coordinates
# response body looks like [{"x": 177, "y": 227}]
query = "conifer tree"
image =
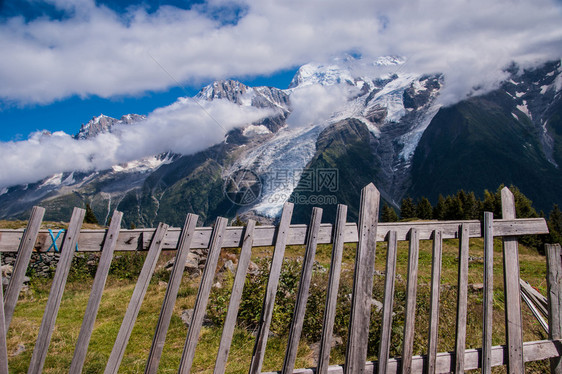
[
  {"x": 90, "y": 217},
  {"x": 388, "y": 214},
  {"x": 424, "y": 210},
  {"x": 439, "y": 210},
  {"x": 407, "y": 208}
]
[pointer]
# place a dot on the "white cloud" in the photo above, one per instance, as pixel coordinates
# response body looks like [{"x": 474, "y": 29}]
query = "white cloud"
[
  {"x": 183, "y": 127},
  {"x": 97, "y": 52}
]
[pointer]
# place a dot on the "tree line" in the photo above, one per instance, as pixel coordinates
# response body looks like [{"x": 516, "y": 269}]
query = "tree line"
[{"x": 465, "y": 205}]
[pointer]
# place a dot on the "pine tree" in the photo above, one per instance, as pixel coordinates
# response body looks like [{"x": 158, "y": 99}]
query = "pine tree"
[
  {"x": 388, "y": 214},
  {"x": 407, "y": 208},
  {"x": 424, "y": 210},
  {"x": 90, "y": 217},
  {"x": 439, "y": 210},
  {"x": 555, "y": 225}
]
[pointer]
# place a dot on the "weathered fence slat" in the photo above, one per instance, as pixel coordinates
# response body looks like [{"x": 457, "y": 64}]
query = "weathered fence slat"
[
  {"x": 436, "y": 263},
  {"x": 272, "y": 283},
  {"x": 513, "y": 317},
  {"x": 136, "y": 300},
  {"x": 22, "y": 261},
  {"x": 174, "y": 283},
  {"x": 332, "y": 290},
  {"x": 488, "y": 301},
  {"x": 538, "y": 300},
  {"x": 302, "y": 293},
  {"x": 203, "y": 296},
  {"x": 235, "y": 298},
  {"x": 139, "y": 239},
  {"x": 554, "y": 283},
  {"x": 411, "y": 294},
  {"x": 462, "y": 299},
  {"x": 356, "y": 353},
  {"x": 386, "y": 323},
  {"x": 57, "y": 289},
  {"x": 3, "y": 330},
  {"x": 95, "y": 295}
]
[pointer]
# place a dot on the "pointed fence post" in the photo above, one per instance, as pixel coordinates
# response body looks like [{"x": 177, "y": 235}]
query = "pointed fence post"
[
  {"x": 513, "y": 318},
  {"x": 356, "y": 353},
  {"x": 488, "y": 292},
  {"x": 554, "y": 282},
  {"x": 3, "y": 346}
]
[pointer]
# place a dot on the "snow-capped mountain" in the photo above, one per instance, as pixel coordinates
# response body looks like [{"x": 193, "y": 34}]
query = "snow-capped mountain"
[{"x": 381, "y": 124}]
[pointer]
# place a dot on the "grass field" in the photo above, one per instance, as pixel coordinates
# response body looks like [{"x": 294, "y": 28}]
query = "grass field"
[{"x": 119, "y": 288}]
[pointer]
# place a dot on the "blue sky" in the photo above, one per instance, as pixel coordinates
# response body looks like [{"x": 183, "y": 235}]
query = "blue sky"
[{"x": 65, "y": 61}]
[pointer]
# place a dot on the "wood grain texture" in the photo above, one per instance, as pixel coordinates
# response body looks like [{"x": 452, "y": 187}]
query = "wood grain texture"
[
  {"x": 139, "y": 239},
  {"x": 411, "y": 295},
  {"x": 235, "y": 298},
  {"x": 192, "y": 338},
  {"x": 271, "y": 289},
  {"x": 356, "y": 352},
  {"x": 386, "y": 323},
  {"x": 332, "y": 291},
  {"x": 533, "y": 351},
  {"x": 462, "y": 300},
  {"x": 57, "y": 289},
  {"x": 3, "y": 331},
  {"x": 488, "y": 300},
  {"x": 171, "y": 295},
  {"x": 135, "y": 303},
  {"x": 22, "y": 261},
  {"x": 513, "y": 318},
  {"x": 95, "y": 295},
  {"x": 297, "y": 321},
  {"x": 554, "y": 283},
  {"x": 436, "y": 263}
]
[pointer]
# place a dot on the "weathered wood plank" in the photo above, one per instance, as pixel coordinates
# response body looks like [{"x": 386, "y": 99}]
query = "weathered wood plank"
[
  {"x": 22, "y": 261},
  {"x": 3, "y": 331},
  {"x": 513, "y": 318},
  {"x": 535, "y": 296},
  {"x": 411, "y": 295},
  {"x": 332, "y": 291},
  {"x": 271, "y": 289},
  {"x": 302, "y": 293},
  {"x": 533, "y": 351},
  {"x": 133, "y": 309},
  {"x": 174, "y": 283},
  {"x": 139, "y": 239},
  {"x": 436, "y": 263},
  {"x": 95, "y": 295},
  {"x": 534, "y": 310},
  {"x": 235, "y": 298},
  {"x": 386, "y": 324},
  {"x": 462, "y": 300},
  {"x": 361, "y": 299},
  {"x": 203, "y": 296},
  {"x": 55, "y": 295},
  {"x": 488, "y": 292},
  {"x": 554, "y": 283}
]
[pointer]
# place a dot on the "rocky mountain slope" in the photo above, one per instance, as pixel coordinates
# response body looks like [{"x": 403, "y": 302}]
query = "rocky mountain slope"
[{"x": 382, "y": 126}]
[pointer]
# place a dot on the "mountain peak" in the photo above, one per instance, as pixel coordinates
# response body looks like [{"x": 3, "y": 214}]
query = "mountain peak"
[
  {"x": 229, "y": 89},
  {"x": 103, "y": 123}
]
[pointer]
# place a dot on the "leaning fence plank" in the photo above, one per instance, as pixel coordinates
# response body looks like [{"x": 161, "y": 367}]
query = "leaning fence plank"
[
  {"x": 332, "y": 291},
  {"x": 513, "y": 318},
  {"x": 165, "y": 316},
  {"x": 302, "y": 293},
  {"x": 272, "y": 283},
  {"x": 488, "y": 292},
  {"x": 3, "y": 346},
  {"x": 22, "y": 261},
  {"x": 554, "y": 283},
  {"x": 57, "y": 289},
  {"x": 411, "y": 294},
  {"x": 356, "y": 352},
  {"x": 96, "y": 293},
  {"x": 462, "y": 299},
  {"x": 434, "y": 304},
  {"x": 386, "y": 324},
  {"x": 203, "y": 296},
  {"x": 235, "y": 298},
  {"x": 136, "y": 300}
]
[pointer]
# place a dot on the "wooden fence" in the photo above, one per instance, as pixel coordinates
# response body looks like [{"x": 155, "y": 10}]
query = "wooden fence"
[{"x": 366, "y": 234}]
